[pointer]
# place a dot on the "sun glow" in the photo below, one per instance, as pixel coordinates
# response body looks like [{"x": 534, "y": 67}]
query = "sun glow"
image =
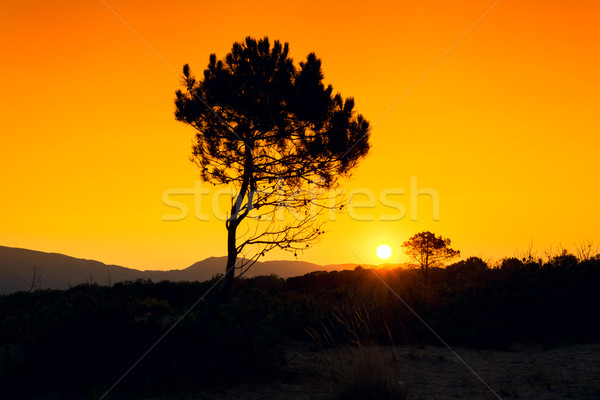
[{"x": 384, "y": 251}]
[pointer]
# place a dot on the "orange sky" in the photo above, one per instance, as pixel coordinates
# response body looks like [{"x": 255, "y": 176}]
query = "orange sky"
[{"x": 505, "y": 128}]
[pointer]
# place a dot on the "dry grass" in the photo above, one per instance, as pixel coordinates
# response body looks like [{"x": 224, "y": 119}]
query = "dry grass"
[
  {"x": 355, "y": 370},
  {"x": 431, "y": 373},
  {"x": 363, "y": 373}
]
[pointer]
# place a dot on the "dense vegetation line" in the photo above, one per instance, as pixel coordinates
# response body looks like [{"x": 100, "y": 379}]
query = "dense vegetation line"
[{"x": 86, "y": 336}]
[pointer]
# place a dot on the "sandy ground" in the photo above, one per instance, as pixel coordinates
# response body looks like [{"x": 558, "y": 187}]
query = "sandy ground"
[{"x": 522, "y": 372}]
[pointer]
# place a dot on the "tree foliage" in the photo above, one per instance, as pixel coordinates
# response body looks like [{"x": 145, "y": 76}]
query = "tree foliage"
[
  {"x": 429, "y": 250},
  {"x": 275, "y": 133}
]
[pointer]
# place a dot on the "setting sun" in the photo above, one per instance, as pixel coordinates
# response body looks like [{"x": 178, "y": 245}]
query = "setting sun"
[{"x": 384, "y": 251}]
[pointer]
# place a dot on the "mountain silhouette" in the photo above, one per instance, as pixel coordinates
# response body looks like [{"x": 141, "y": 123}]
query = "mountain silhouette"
[{"x": 23, "y": 269}]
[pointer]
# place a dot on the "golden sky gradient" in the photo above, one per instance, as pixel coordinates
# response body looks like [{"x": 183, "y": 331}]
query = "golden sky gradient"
[{"x": 505, "y": 126}]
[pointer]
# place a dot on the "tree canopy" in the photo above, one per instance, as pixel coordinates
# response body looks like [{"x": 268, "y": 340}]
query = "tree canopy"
[
  {"x": 274, "y": 132},
  {"x": 429, "y": 250}
]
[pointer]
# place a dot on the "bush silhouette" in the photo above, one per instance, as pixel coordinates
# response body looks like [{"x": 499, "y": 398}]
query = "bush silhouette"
[{"x": 87, "y": 336}]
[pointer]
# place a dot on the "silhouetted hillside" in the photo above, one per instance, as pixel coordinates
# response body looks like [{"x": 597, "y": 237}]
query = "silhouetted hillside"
[
  {"x": 215, "y": 265},
  {"x": 54, "y": 271},
  {"x": 58, "y": 271}
]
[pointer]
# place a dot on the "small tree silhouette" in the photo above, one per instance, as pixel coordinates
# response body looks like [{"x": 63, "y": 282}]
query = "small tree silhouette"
[
  {"x": 429, "y": 251},
  {"x": 278, "y": 136}
]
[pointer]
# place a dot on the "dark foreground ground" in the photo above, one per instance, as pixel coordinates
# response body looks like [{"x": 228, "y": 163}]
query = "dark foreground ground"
[
  {"x": 522, "y": 372},
  {"x": 78, "y": 342}
]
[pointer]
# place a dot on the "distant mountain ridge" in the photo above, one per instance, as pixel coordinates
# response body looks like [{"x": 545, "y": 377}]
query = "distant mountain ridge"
[{"x": 22, "y": 269}]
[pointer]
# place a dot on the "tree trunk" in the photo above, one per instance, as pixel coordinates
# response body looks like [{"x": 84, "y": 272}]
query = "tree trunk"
[
  {"x": 426, "y": 270},
  {"x": 231, "y": 258},
  {"x": 233, "y": 223}
]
